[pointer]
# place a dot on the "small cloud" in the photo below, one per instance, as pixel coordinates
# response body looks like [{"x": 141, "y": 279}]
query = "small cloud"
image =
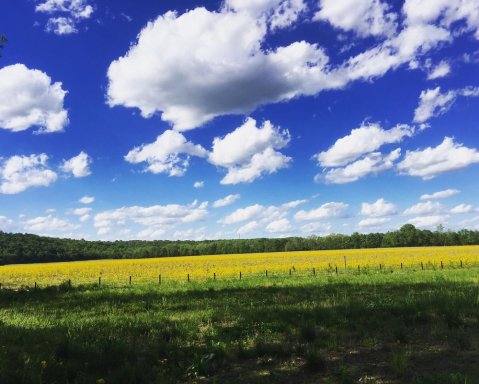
[
  {"x": 441, "y": 70},
  {"x": 78, "y": 166},
  {"x": 433, "y": 161},
  {"x": 65, "y": 15},
  {"x": 463, "y": 208},
  {"x": 440, "y": 195},
  {"x": 19, "y": 173},
  {"x": 87, "y": 200},
  {"x": 230, "y": 199}
]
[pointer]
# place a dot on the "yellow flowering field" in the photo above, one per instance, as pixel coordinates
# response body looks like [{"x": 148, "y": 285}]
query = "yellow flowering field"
[{"x": 228, "y": 266}]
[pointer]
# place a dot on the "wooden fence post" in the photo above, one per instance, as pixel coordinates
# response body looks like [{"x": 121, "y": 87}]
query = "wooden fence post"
[
  {"x": 35, "y": 285},
  {"x": 290, "y": 271},
  {"x": 461, "y": 263},
  {"x": 266, "y": 273},
  {"x": 130, "y": 280},
  {"x": 99, "y": 281},
  {"x": 314, "y": 271},
  {"x": 188, "y": 277},
  {"x": 336, "y": 269},
  {"x": 159, "y": 278},
  {"x": 442, "y": 265},
  {"x": 214, "y": 276},
  {"x": 344, "y": 264},
  {"x": 401, "y": 266},
  {"x": 69, "y": 283},
  {"x": 240, "y": 275},
  {"x": 359, "y": 269},
  {"x": 422, "y": 266}
]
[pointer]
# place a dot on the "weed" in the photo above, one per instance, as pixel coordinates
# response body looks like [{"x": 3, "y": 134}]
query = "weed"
[{"x": 400, "y": 360}]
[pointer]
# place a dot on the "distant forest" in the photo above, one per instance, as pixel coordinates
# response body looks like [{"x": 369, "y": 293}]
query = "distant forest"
[{"x": 26, "y": 248}]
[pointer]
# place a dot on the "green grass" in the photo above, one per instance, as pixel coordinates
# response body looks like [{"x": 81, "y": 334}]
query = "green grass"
[{"x": 384, "y": 327}]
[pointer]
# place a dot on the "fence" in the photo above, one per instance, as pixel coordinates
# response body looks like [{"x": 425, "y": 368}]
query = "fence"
[{"x": 291, "y": 273}]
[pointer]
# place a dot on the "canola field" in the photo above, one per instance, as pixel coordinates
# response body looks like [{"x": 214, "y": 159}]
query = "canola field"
[{"x": 199, "y": 268}]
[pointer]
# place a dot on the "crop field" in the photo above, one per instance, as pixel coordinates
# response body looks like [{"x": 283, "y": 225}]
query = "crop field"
[
  {"x": 419, "y": 327},
  {"x": 416, "y": 325},
  {"x": 201, "y": 268}
]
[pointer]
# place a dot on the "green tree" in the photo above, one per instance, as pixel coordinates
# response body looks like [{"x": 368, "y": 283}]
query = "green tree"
[{"x": 3, "y": 40}]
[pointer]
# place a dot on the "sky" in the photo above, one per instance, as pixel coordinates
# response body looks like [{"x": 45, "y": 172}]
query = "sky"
[{"x": 238, "y": 118}]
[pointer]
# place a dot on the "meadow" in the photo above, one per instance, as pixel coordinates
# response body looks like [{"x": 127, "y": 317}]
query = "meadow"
[
  {"x": 147, "y": 271},
  {"x": 375, "y": 325}
]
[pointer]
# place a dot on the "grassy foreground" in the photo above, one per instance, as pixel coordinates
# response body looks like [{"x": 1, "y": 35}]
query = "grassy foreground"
[{"x": 374, "y": 327}]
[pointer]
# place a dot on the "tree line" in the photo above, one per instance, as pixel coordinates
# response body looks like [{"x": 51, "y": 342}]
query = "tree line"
[{"x": 27, "y": 248}]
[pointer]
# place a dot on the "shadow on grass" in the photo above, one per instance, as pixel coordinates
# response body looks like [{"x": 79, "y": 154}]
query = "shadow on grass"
[{"x": 337, "y": 332}]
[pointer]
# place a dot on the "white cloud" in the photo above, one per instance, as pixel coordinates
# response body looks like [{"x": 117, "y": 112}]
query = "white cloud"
[
  {"x": 7, "y": 225},
  {"x": 190, "y": 234},
  {"x": 463, "y": 208},
  {"x": 351, "y": 157},
  {"x": 248, "y": 228},
  {"x": 294, "y": 203},
  {"x": 405, "y": 47},
  {"x": 379, "y": 208},
  {"x": 444, "y": 12},
  {"x": 156, "y": 216},
  {"x": 365, "y": 17},
  {"x": 47, "y": 224},
  {"x": 199, "y": 184},
  {"x": 168, "y": 154},
  {"x": 365, "y": 139},
  {"x": 87, "y": 200},
  {"x": 77, "y": 8},
  {"x": 243, "y": 214},
  {"x": 269, "y": 161},
  {"x": 19, "y": 173},
  {"x": 78, "y": 166},
  {"x": 29, "y": 99},
  {"x": 257, "y": 212},
  {"x": 433, "y": 103},
  {"x": 250, "y": 151},
  {"x": 279, "y": 13},
  {"x": 236, "y": 74},
  {"x": 81, "y": 211},
  {"x": 321, "y": 228},
  {"x": 325, "y": 211},
  {"x": 469, "y": 91},
  {"x": 441, "y": 70},
  {"x": 374, "y": 221},
  {"x": 470, "y": 223},
  {"x": 433, "y": 161},
  {"x": 61, "y": 25},
  {"x": 84, "y": 218},
  {"x": 279, "y": 226},
  {"x": 239, "y": 72},
  {"x": 429, "y": 221},
  {"x": 230, "y": 199},
  {"x": 440, "y": 194},
  {"x": 425, "y": 208},
  {"x": 372, "y": 163},
  {"x": 72, "y": 11},
  {"x": 152, "y": 234}
]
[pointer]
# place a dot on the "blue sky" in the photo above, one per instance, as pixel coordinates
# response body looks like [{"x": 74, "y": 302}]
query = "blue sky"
[{"x": 193, "y": 120}]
